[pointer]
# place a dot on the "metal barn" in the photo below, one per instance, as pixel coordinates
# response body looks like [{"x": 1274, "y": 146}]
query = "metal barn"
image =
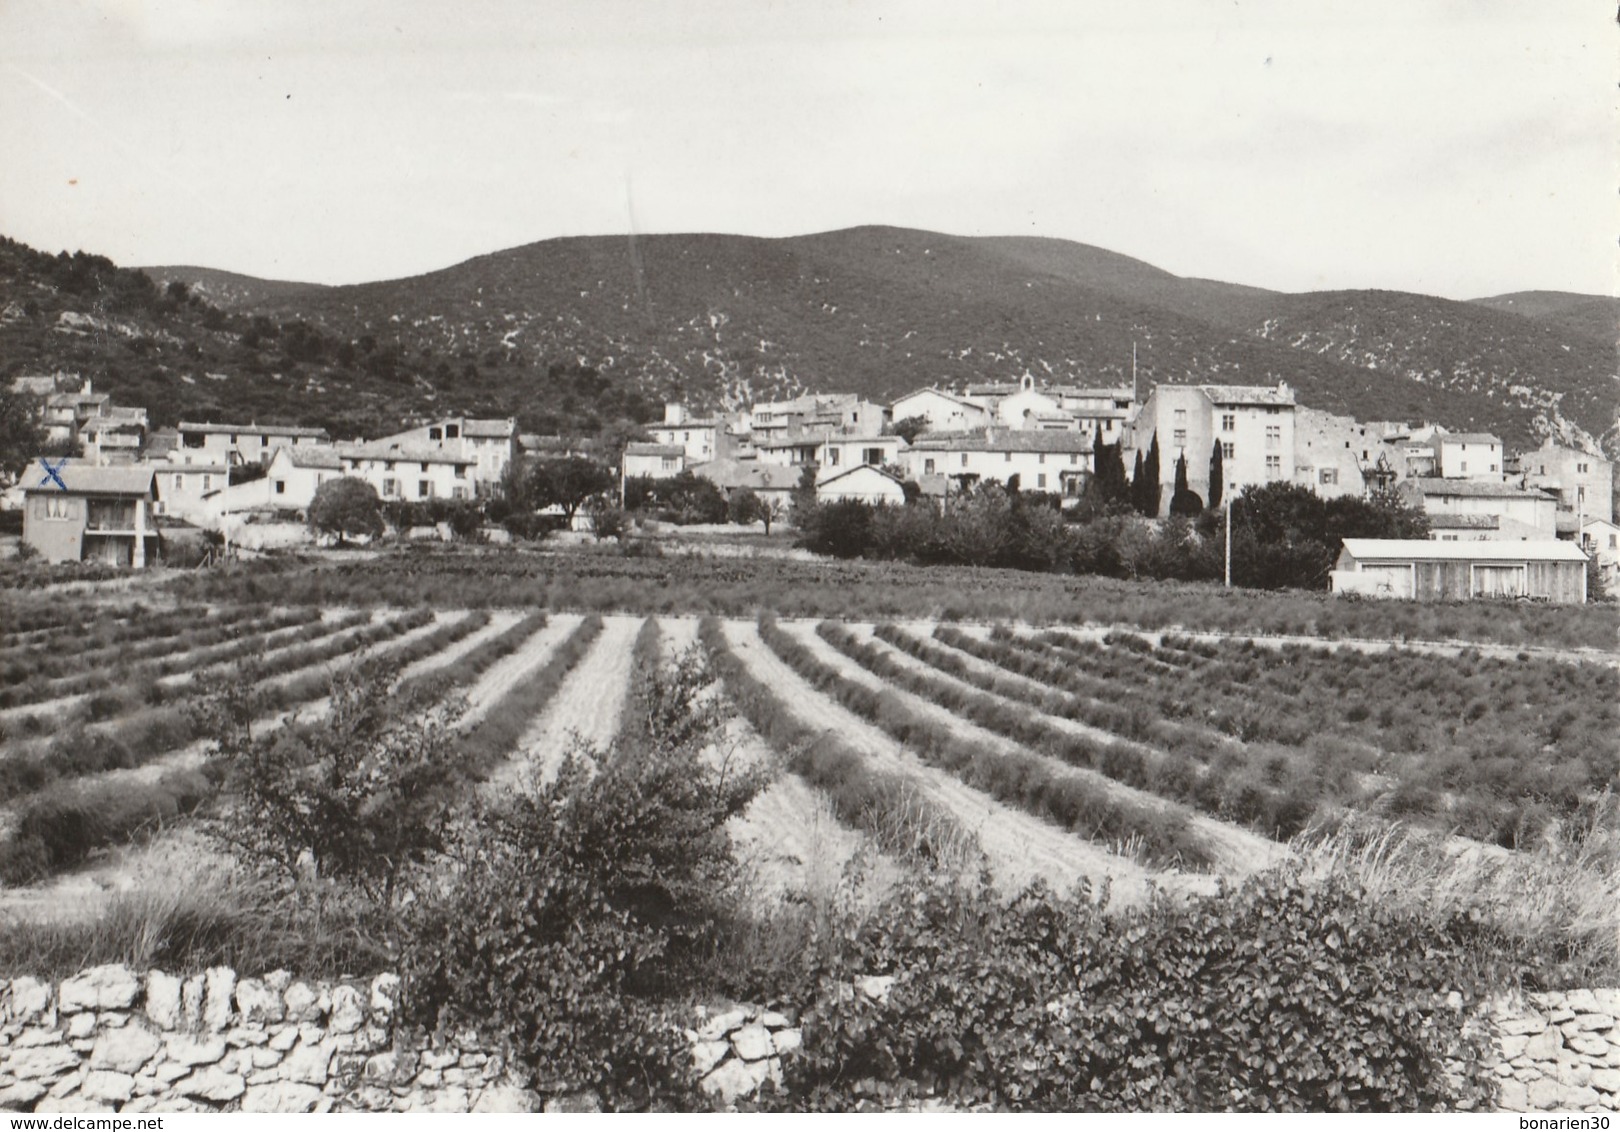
[{"x": 1544, "y": 569}]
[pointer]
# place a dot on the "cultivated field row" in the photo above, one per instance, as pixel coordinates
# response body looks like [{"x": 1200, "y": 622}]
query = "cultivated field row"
[{"x": 1128, "y": 760}]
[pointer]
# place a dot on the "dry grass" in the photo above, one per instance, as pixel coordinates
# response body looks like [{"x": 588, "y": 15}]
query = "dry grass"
[{"x": 1560, "y": 900}]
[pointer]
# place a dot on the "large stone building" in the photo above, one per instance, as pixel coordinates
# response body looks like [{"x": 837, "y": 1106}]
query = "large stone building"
[
  {"x": 1254, "y": 425},
  {"x": 1582, "y": 481},
  {"x": 1336, "y": 455}
]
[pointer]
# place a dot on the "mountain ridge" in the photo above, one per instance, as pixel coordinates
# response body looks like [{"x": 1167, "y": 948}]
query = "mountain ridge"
[{"x": 546, "y": 330}]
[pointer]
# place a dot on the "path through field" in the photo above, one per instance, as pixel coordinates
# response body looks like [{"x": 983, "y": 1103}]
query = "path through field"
[
  {"x": 585, "y": 709},
  {"x": 1021, "y": 847},
  {"x": 507, "y": 671}
]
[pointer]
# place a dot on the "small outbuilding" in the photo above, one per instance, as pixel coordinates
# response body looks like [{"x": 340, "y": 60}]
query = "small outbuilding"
[
  {"x": 865, "y": 484},
  {"x": 1544, "y": 569}
]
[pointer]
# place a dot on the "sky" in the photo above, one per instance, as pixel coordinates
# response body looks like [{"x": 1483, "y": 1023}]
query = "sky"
[{"x": 1454, "y": 147}]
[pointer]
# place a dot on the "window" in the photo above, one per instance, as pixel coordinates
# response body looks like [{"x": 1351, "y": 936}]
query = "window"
[
  {"x": 686, "y": 436},
  {"x": 1273, "y": 436},
  {"x": 461, "y": 471},
  {"x": 874, "y": 455},
  {"x": 1330, "y": 475},
  {"x": 424, "y": 465},
  {"x": 177, "y": 480},
  {"x": 1040, "y": 481},
  {"x": 964, "y": 459},
  {"x": 1614, "y": 542},
  {"x": 458, "y": 493},
  {"x": 424, "y": 489},
  {"x": 1463, "y": 466},
  {"x": 1227, "y": 449},
  {"x": 1041, "y": 459},
  {"x": 435, "y": 434},
  {"x": 451, "y": 432},
  {"x": 1273, "y": 467},
  {"x": 233, "y": 438},
  {"x": 1074, "y": 457},
  {"x": 1228, "y": 422},
  {"x": 263, "y": 440},
  {"x": 1181, "y": 416},
  {"x": 1580, "y": 469},
  {"x": 390, "y": 465},
  {"x": 832, "y": 457},
  {"x": 281, "y": 487},
  {"x": 1180, "y": 438},
  {"x": 668, "y": 463},
  {"x": 1006, "y": 457},
  {"x": 928, "y": 467},
  {"x": 53, "y": 507},
  {"x": 390, "y": 486},
  {"x": 208, "y": 481},
  {"x": 1580, "y": 493}
]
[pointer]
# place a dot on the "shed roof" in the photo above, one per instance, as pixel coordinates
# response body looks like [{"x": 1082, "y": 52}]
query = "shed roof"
[
  {"x": 312, "y": 456},
  {"x": 857, "y": 470},
  {"x": 1249, "y": 394},
  {"x": 405, "y": 452},
  {"x": 1481, "y": 550},
  {"x": 751, "y": 474},
  {"x": 1468, "y": 438}
]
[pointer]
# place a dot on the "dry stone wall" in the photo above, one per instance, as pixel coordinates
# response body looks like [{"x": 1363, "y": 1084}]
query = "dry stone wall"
[{"x": 110, "y": 1039}]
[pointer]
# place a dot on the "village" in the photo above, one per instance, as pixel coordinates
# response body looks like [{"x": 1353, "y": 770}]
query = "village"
[{"x": 1501, "y": 523}]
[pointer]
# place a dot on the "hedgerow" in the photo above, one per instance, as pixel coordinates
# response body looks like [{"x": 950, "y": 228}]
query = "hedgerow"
[{"x": 1279, "y": 996}]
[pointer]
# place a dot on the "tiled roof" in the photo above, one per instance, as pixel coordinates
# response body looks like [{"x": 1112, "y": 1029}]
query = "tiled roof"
[
  {"x": 1005, "y": 440},
  {"x": 253, "y": 429},
  {"x": 641, "y": 448},
  {"x": 750, "y": 474},
  {"x": 313, "y": 456},
  {"x": 86, "y": 479},
  {"x": 1248, "y": 394},
  {"x": 1470, "y": 489},
  {"x": 1465, "y": 522},
  {"x": 407, "y": 454},
  {"x": 1468, "y": 438}
]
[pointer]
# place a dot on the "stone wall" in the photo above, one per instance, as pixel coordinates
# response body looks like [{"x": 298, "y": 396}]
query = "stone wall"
[
  {"x": 1560, "y": 1051},
  {"x": 109, "y": 1039}
]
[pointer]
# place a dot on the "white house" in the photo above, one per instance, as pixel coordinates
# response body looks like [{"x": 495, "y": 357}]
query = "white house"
[
  {"x": 1058, "y": 462},
  {"x": 1102, "y": 412},
  {"x": 704, "y": 439},
  {"x": 1600, "y": 538},
  {"x": 944, "y": 411},
  {"x": 410, "y": 474},
  {"x": 1468, "y": 456},
  {"x": 1517, "y": 513},
  {"x": 207, "y": 443},
  {"x": 186, "y": 488},
  {"x": 653, "y": 461},
  {"x": 489, "y": 444},
  {"x": 864, "y": 484},
  {"x": 1030, "y": 408},
  {"x": 838, "y": 453}
]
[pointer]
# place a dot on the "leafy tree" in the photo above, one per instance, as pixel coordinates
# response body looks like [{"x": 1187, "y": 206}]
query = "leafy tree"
[
  {"x": 1217, "y": 476},
  {"x": 909, "y": 428},
  {"x": 355, "y": 798},
  {"x": 565, "y": 482},
  {"x": 21, "y": 436},
  {"x": 1184, "y": 501},
  {"x": 346, "y": 507},
  {"x": 744, "y": 507}
]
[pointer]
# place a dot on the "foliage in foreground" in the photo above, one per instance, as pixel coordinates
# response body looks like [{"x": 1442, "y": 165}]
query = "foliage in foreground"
[{"x": 1279, "y": 996}]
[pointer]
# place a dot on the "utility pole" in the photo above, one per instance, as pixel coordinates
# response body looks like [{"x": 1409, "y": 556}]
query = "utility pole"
[{"x": 1229, "y": 543}]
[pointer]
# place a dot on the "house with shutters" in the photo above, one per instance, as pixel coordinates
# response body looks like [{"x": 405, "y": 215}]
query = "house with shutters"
[
  {"x": 203, "y": 442},
  {"x": 1056, "y": 461},
  {"x": 1254, "y": 425},
  {"x": 74, "y": 512}
]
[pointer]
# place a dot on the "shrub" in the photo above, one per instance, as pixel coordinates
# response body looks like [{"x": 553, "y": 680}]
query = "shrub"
[{"x": 571, "y": 914}]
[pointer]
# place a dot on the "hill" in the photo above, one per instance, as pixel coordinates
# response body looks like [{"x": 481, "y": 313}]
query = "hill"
[
  {"x": 1596, "y": 316},
  {"x": 585, "y": 331}
]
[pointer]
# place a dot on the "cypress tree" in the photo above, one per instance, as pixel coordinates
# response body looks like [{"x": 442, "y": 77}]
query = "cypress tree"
[
  {"x": 1150, "y": 469},
  {"x": 1217, "y": 476},
  {"x": 1138, "y": 485}
]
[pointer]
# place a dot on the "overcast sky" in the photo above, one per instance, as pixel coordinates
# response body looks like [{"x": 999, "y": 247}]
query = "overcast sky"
[{"x": 1461, "y": 149}]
